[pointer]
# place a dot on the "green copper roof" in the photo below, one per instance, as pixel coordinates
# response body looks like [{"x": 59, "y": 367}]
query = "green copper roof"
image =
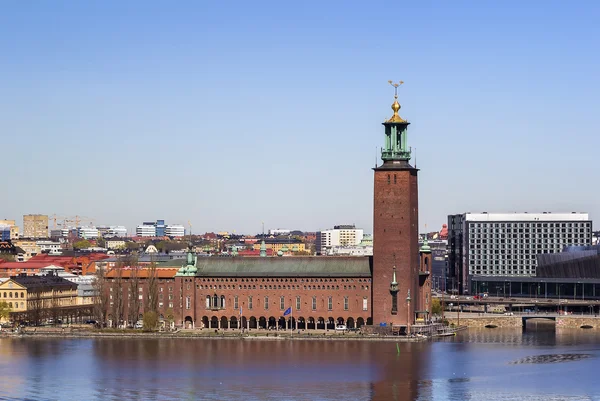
[
  {"x": 284, "y": 267},
  {"x": 425, "y": 248}
]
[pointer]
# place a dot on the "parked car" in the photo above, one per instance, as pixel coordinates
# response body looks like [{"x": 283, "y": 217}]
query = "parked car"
[
  {"x": 341, "y": 327},
  {"x": 139, "y": 325}
]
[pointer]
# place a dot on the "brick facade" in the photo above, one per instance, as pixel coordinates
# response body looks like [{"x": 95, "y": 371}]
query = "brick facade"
[
  {"x": 395, "y": 242},
  {"x": 350, "y": 300}
]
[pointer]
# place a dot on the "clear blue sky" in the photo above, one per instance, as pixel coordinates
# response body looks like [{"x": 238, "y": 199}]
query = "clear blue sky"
[{"x": 227, "y": 114}]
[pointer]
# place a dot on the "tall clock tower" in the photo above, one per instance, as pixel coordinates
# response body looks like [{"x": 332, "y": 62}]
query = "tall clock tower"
[{"x": 395, "y": 227}]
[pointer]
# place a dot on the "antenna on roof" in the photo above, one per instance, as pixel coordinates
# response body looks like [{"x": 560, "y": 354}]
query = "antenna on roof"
[
  {"x": 375, "y": 156},
  {"x": 415, "y": 157}
]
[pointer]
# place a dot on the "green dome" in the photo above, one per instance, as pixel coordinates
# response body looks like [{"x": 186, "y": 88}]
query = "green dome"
[
  {"x": 425, "y": 248},
  {"x": 295, "y": 248},
  {"x": 279, "y": 253},
  {"x": 285, "y": 248}
]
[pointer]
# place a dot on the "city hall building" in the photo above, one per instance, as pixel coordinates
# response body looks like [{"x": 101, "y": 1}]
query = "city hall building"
[{"x": 391, "y": 288}]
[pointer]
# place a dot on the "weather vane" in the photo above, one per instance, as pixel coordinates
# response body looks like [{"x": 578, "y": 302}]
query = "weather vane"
[{"x": 396, "y": 87}]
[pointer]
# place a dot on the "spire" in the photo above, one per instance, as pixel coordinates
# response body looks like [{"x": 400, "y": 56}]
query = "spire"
[
  {"x": 395, "y": 148},
  {"x": 394, "y": 283},
  {"x": 425, "y": 248},
  {"x": 396, "y": 106}
]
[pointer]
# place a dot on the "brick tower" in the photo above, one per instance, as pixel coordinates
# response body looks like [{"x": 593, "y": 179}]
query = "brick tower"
[{"x": 395, "y": 228}]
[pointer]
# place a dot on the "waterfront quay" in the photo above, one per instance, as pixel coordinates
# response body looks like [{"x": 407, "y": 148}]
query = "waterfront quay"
[
  {"x": 86, "y": 331},
  {"x": 523, "y": 320}
]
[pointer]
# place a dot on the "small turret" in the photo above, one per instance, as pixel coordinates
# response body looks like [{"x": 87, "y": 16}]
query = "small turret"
[{"x": 263, "y": 249}]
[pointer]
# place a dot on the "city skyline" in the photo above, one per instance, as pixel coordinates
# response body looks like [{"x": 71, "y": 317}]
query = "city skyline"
[{"x": 143, "y": 123}]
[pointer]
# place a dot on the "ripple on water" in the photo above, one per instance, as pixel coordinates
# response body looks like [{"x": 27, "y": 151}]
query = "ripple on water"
[{"x": 551, "y": 358}]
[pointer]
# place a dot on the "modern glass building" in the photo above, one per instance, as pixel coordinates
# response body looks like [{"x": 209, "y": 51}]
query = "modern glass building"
[{"x": 507, "y": 244}]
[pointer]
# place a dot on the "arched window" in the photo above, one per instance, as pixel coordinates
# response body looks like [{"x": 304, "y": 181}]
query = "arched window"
[
  {"x": 22, "y": 295},
  {"x": 10, "y": 305},
  {"x": 222, "y": 301},
  {"x": 266, "y": 303},
  {"x": 208, "y": 302},
  {"x": 10, "y": 294},
  {"x": 282, "y": 303},
  {"x": 215, "y": 301}
]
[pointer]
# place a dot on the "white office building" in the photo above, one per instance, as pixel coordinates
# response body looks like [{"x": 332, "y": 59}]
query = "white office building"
[
  {"x": 279, "y": 231},
  {"x": 506, "y": 244},
  {"x": 145, "y": 230},
  {"x": 88, "y": 232},
  {"x": 115, "y": 231},
  {"x": 50, "y": 247},
  {"x": 339, "y": 236},
  {"x": 174, "y": 230}
]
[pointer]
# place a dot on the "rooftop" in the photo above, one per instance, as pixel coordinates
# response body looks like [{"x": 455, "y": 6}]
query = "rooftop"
[{"x": 543, "y": 216}]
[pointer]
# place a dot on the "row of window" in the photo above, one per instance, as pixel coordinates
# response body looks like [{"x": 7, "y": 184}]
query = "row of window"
[
  {"x": 530, "y": 225},
  {"x": 10, "y": 294},
  {"x": 282, "y": 280},
  {"x": 278, "y": 287},
  {"x": 216, "y": 302}
]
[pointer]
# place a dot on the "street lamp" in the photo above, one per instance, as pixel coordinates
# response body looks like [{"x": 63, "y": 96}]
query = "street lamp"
[{"x": 408, "y": 313}]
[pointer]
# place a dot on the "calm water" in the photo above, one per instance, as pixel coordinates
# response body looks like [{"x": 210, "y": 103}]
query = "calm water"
[{"x": 477, "y": 365}]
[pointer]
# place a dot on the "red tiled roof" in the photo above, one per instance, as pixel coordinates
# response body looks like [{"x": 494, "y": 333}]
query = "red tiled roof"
[{"x": 24, "y": 265}]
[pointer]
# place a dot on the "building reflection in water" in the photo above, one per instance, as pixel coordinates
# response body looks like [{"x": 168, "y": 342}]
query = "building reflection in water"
[{"x": 256, "y": 369}]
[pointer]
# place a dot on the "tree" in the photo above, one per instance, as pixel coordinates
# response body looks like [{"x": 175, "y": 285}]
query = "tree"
[
  {"x": 35, "y": 307},
  {"x": 133, "y": 307},
  {"x": 4, "y": 310},
  {"x": 132, "y": 246},
  {"x": 152, "y": 298},
  {"x": 82, "y": 244},
  {"x": 101, "y": 242},
  {"x": 101, "y": 298},
  {"x": 170, "y": 317},
  {"x": 150, "y": 320},
  {"x": 117, "y": 293},
  {"x": 436, "y": 306},
  {"x": 7, "y": 257}
]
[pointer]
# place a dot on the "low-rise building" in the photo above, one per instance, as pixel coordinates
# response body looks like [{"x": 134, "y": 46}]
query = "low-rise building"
[
  {"x": 34, "y": 297},
  {"x": 115, "y": 243},
  {"x": 30, "y": 249},
  {"x": 357, "y": 250},
  {"x": 14, "y": 228},
  {"x": 281, "y": 244},
  {"x": 51, "y": 247}
]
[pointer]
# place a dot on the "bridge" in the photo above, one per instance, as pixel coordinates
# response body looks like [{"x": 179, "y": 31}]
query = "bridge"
[{"x": 518, "y": 302}]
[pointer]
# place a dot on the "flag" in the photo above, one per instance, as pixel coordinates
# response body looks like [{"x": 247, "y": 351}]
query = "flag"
[
  {"x": 287, "y": 311},
  {"x": 240, "y": 311}
]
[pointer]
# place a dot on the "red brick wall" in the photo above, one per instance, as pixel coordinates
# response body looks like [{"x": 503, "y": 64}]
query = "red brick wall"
[
  {"x": 197, "y": 288},
  {"x": 395, "y": 232}
]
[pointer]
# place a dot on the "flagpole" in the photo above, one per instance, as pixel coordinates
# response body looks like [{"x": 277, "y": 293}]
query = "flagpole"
[{"x": 291, "y": 321}]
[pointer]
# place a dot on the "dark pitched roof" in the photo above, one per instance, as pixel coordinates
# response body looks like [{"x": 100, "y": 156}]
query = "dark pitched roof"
[
  {"x": 285, "y": 267},
  {"x": 42, "y": 281}
]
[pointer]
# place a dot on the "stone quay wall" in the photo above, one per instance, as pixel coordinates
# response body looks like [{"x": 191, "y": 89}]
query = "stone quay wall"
[
  {"x": 575, "y": 322},
  {"x": 498, "y": 321}
]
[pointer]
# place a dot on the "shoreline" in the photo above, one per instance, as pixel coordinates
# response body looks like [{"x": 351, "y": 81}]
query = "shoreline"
[{"x": 211, "y": 336}]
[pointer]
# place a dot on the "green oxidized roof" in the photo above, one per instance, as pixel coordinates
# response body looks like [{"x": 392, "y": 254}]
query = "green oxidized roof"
[{"x": 284, "y": 267}]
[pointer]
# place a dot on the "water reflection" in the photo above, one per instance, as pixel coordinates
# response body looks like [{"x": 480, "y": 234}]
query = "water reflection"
[{"x": 478, "y": 364}]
